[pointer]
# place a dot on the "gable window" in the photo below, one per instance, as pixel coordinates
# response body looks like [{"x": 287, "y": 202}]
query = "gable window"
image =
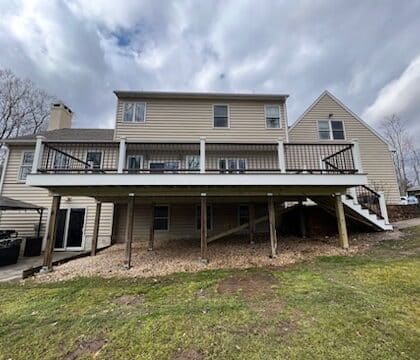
[
  {"x": 134, "y": 163},
  {"x": 272, "y": 116},
  {"x": 209, "y": 217},
  {"x": 26, "y": 164},
  {"x": 331, "y": 130},
  {"x": 134, "y": 112},
  {"x": 193, "y": 162},
  {"x": 232, "y": 165},
  {"x": 161, "y": 217},
  {"x": 94, "y": 158},
  {"x": 243, "y": 214},
  {"x": 220, "y": 116}
]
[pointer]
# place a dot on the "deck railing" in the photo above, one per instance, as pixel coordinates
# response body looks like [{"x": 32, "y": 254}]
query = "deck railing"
[{"x": 193, "y": 157}]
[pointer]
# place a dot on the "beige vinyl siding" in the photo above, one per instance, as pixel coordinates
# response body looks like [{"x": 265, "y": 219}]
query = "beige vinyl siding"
[
  {"x": 187, "y": 120},
  {"x": 375, "y": 154},
  {"x": 24, "y": 222}
]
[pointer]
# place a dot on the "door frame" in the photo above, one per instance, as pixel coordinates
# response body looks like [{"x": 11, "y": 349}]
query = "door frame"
[{"x": 66, "y": 229}]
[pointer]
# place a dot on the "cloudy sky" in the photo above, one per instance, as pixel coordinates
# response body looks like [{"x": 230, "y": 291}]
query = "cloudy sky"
[{"x": 367, "y": 53}]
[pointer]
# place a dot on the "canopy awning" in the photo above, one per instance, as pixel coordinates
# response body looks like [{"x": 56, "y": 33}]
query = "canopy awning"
[{"x": 7, "y": 203}]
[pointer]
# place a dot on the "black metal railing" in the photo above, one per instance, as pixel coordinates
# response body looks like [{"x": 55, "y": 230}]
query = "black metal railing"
[
  {"x": 319, "y": 158},
  {"x": 368, "y": 199}
]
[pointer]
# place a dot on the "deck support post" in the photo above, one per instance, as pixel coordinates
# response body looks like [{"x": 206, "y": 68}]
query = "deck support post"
[
  {"x": 51, "y": 234},
  {"x": 302, "y": 220},
  {"x": 341, "y": 222},
  {"x": 203, "y": 226},
  {"x": 129, "y": 230},
  {"x": 151, "y": 229},
  {"x": 251, "y": 223},
  {"x": 202, "y": 154},
  {"x": 382, "y": 206},
  {"x": 96, "y": 228},
  {"x": 272, "y": 222},
  {"x": 122, "y": 155}
]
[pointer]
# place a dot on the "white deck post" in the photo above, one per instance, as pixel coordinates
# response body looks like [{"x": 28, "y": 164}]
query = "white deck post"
[
  {"x": 39, "y": 150},
  {"x": 202, "y": 154},
  {"x": 382, "y": 206},
  {"x": 280, "y": 153},
  {"x": 122, "y": 153},
  {"x": 353, "y": 194},
  {"x": 356, "y": 156}
]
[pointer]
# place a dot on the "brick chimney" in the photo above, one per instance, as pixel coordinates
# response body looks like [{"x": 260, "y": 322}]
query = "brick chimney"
[{"x": 60, "y": 117}]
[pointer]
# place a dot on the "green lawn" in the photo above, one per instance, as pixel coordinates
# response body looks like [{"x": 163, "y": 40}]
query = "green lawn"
[{"x": 361, "y": 307}]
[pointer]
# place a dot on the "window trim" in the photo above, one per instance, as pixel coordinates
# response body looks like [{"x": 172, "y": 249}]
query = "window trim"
[
  {"x": 331, "y": 138},
  {"x": 227, "y": 162},
  {"x": 134, "y": 155},
  {"x": 169, "y": 217},
  {"x": 165, "y": 161},
  {"x": 198, "y": 211},
  {"x": 22, "y": 155},
  {"x": 102, "y": 158},
  {"x": 228, "y": 116},
  {"x": 186, "y": 162},
  {"x": 280, "y": 117},
  {"x": 239, "y": 212},
  {"x": 134, "y": 113}
]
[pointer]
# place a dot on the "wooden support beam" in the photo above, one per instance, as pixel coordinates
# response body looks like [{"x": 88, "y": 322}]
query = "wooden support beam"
[
  {"x": 341, "y": 222},
  {"x": 151, "y": 228},
  {"x": 96, "y": 228},
  {"x": 272, "y": 222},
  {"x": 51, "y": 235},
  {"x": 204, "y": 256},
  {"x": 129, "y": 231},
  {"x": 251, "y": 223},
  {"x": 302, "y": 220}
]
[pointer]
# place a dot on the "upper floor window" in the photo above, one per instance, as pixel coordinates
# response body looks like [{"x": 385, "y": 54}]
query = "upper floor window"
[
  {"x": 193, "y": 162},
  {"x": 134, "y": 112},
  {"x": 232, "y": 165},
  {"x": 331, "y": 130},
  {"x": 61, "y": 161},
  {"x": 94, "y": 159},
  {"x": 220, "y": 116},
  {"x": 26, "y": 164},
  {"x": 134, "y": 163},
  {"x": 272, "y": 116}
]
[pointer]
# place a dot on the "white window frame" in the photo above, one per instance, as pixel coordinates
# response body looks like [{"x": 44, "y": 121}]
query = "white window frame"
[
  {"x": 227, "y": 164},
  {"x": 22, "y": 156},
  {"x": 165, "y": 161},
  {"x": 134, "y": 112},
  {"x": 228, "y": 117},
  {"x": 331, "y": 138},
  {"x": 265, "y": 117},
  {"x": 102, "y": 158},
  {"x": 66, "y": 229},
  {"x": 186, "y": 162},
  {"x": 198, "y": 214},
  {"x": 134, "y": 155},
  {"x": 169, "y": 217},
  {"x": 239, "y": 213}
]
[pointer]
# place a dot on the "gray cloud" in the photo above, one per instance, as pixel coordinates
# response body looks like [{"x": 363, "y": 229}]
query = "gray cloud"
[{"x": 364, "y": 52}]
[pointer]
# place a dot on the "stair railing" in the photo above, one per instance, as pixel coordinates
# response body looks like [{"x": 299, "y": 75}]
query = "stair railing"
[{"x": 368, "y": 199}]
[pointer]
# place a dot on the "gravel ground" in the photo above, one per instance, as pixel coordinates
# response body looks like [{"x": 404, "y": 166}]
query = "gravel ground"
[{"x": 183, "y": 256}]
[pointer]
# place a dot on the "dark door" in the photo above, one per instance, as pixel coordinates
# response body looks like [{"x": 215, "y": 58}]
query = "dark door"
[
  {"x": 61, "y": 229},
  {"x": 75, "y": 232}
]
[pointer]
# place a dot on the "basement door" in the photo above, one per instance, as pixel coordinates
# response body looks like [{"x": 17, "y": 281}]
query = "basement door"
[{"x": 69, "y": 232}]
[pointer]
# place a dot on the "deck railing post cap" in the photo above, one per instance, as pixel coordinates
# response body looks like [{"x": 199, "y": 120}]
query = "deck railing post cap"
[
  {"x": 203, "y": 194},
  {"x": 123, "y": 137},
  {"x": 269, "y": 194},
  {"x": 131, "y": 194},
  {"x": 203, "y": 138},
  {"x": 41, "y": 137}
]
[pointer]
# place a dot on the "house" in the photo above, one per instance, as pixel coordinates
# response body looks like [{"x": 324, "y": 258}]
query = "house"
[{"x": 199, "y": 165}]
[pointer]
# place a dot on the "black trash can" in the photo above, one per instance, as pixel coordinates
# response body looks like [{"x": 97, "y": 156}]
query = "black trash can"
[
  {"x": 9, "y": 251},
  {"x": 33, "y": 246}
]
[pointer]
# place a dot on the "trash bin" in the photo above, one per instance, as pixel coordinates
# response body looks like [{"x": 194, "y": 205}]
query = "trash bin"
[
  {"x": 33, "y": 246},
  {"x": 9, "y": 251}
]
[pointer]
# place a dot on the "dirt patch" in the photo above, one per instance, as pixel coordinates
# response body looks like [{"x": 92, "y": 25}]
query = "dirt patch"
[
  {"x": 189, "y": 354},
  {"x": 285, "y": 328},
  {"x": 129, "y": 300},
  {"x": 86, "y": 347}
]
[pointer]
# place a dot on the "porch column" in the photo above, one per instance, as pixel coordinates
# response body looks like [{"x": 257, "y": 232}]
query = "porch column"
[
  {"x": 302, "y": 219},
  {"x": 152, "y": 228},
  {"x": 382, "y": 206},
  {"x": 52, "y": 225},
  {"x": 122, "y": 155},
  {"x": 204, "y": 256},
  {"x": 272, "y": 222},
  {"x": 251, "y": 223},
  {"x": 96, "y": 228},
  {"x": 356, "y": 156},
  {"x": 39, "y": 147},
  {"x": 341, "y": 222},
  {"x": 202, "y": 154},
  {"x": 280, "y": 154},
  {"x": 129, "y": 230}
]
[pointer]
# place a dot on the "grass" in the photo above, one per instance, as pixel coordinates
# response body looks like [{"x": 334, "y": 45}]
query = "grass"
[{"x": 361, "y": 307}]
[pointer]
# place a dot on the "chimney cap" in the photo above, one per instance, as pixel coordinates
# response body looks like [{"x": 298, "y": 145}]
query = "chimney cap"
[{"x": 62, "y": 105}]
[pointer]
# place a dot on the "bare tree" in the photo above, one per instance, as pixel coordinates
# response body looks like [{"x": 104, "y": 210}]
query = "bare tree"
[
  {"x": 396, "y": 133},
  {"x": 24, "y": 108}
]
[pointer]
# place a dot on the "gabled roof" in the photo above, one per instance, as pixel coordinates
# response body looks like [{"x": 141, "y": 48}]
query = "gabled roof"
[
  {"x": 358, "y": 118},
  {"x": 94, "y": 135}
]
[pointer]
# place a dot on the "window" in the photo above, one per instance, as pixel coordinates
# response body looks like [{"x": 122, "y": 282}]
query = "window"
[
  {"x": 61, "y": 161},
  {"x": 272, "y": 116},
  {"x": 161, "y": 217},
  {"x": 94, "y": 158},
  {"x": 164, "y": 166},
  {"x": 220, "y": 116},
  {"x": 193, "y": 162},
  {"x": 134, "y": 112},
  {"x": 232, "y": 165},
  {"x": 331, "y": 130},
  {"x": 134, "y": 163},
  {"x": 26, "y": 165},
  {"x": 209, "y": 217},
  {"x": 243, "y": 214}
]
